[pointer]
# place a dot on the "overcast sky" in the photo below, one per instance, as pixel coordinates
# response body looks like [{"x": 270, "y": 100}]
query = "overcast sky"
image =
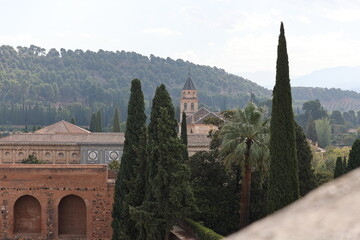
[{"x": 236, "y": 35}]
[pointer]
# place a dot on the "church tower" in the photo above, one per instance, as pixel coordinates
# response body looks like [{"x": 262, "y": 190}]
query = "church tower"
[{"x": 189, "y": 102}]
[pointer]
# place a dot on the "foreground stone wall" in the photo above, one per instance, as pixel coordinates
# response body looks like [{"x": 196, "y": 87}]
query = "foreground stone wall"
[{"x": 55, "y": 202}]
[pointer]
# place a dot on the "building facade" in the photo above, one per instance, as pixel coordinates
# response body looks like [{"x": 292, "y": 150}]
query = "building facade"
[{"x": 45, "y": 201}]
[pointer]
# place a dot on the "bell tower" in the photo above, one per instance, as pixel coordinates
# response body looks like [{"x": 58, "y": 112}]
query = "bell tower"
[{"x": 189, "y": 102}]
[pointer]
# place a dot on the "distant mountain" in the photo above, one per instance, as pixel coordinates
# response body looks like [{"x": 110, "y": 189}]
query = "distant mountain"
[{"x": 346, "y": 78}]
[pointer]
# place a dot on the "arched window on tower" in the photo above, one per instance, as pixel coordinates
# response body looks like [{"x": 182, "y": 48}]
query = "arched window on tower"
[
  {"x": 192, "y": 106},
  {"x": 185, "y": 106}
]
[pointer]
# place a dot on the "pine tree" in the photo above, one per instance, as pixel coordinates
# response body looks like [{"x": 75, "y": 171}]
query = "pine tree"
[
  {"x": 339, "y": 168},
  {"x": 93, "y": 123},
  {"x": 307, "y": 181},
  {"x": 123, "y": 225},
  {"x": 98, "y": 122},
  {"x": 116, "y": 122},
  {"x": 283, "y": 175},
  {"x": 354, "y": 156},
  {"x": 184, "y": 136}
]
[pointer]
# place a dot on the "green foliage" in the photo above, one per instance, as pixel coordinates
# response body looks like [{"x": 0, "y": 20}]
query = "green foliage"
[
  {"x": 32, "y": 159},
  {"x": 307, "y": 181},
  {"x": 336, "y": 117},
  {"x": 203, "y": 233},
  {"x": 124, "y": 227},
  {"x": 339, "y": 168},
  {"x": 114, "y": 165},
  {"x": 216, "y": 192},
  {"x": 116, "y": 121},
  {"x": 354, "y": 156},
  {"x": 311, "y": 130},
  {"x": 93, "y": 123},
  {"x": 98, "y": 122},
  {"x": 323, "y": 130},
  {"x": 184, "y": 136},
  {"x": 244, "y": 142},
  {"x": 73, "y": 121},
  {"x": 283, "y": 185}
]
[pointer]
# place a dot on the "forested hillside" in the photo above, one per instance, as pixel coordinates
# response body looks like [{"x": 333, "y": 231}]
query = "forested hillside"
[{"x": 39, "y": 86}]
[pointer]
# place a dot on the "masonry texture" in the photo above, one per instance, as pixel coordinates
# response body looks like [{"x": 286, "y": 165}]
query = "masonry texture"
[{"x": 55, "y": 202}]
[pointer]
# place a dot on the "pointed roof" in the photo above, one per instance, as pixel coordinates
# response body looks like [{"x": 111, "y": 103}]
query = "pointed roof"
[
  {"x": 63, "y": 127},
  {"x": 189, "y": 85}
]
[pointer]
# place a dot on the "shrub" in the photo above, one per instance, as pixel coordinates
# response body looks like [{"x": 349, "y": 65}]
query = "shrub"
[{"x": 203, "y": 233}]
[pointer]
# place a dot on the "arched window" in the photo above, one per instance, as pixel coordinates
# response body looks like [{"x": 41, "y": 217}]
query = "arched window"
[
  {"x": 72, "y": 216},
  {"x": 192, "y": 106},
  {"x": 27, "y": 215},
  {"x": 185, "y": 106}
]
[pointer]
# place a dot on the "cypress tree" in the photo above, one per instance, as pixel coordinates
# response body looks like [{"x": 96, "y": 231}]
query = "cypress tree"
[
  {"x": 339, "y": 168},
  {"x": 307, "y": 181},
  {"x": 283, "y": 174},
  {"x": 354, "y": 156},
  {"x": 123, "y": 225},
  {"x": 311, "y": 130},
  {"x": 98, "y": 122},
  {"x": 169, "y": 195},
  {"x": 116, "y": 122},
  {"x": 73, "y": 121},
  {"x": 344, "y": 165},
  {"x": 93, "y": 123},
  {"x": 184, "y": 136}
]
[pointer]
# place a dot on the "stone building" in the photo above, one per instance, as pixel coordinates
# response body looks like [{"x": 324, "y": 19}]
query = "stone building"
[
  {"x": 189, "y": 103},
  {"x": 63, "y": 143},
  {"x": 46, "y": 201}
]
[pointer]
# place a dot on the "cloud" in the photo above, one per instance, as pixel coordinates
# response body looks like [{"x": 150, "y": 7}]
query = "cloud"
[
  {"x": 344, "y": 15},
  {"x": 161, "y": 32},
  {"x": 304, "y": 19}
]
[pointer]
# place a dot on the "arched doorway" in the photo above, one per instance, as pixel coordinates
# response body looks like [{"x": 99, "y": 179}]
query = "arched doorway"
[
  {"x": 27, "y": 215},
  {"x": 72, "y": 216}
]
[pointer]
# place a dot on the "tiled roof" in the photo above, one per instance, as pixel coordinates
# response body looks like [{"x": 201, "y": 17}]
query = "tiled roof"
[
  {"x": 62, "y": 127},
  {"x": 63, "y": 138},
  {"x": 209, "y": 115},
  {"x": 198, "y": 140},
  {"x": 200, "y": 113},
  {"x": 189, "y": 85}
]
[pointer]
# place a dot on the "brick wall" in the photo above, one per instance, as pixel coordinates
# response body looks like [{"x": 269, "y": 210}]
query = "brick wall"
[{"x": 57, "y": 189}]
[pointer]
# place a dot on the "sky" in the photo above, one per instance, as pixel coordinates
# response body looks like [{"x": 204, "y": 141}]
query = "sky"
[{"x": 239, "y": 36}]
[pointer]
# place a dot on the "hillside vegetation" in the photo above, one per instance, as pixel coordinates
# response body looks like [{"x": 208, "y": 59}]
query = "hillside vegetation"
[{"x": 34, "y": 78}]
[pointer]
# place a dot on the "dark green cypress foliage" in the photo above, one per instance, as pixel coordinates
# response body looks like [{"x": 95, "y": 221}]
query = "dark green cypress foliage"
[
  {"x": 73, "y": 121},
  {"x": 339, "y": 168},
  {"x": 98, "y": 122},
  {"x": 171, "y": 184},
  {"x": 93, "y": 123},
  {"x": 184, "y": 136},
  {"x": 311, "y": 130},
  {"x": 307, "y": 180},
  {"x": 123, "y": 226},
  {"x": 354, "y": 156},
  {"x": 344, "y": 165},
  {"x": 116, "y": 122},
  {"x": 283, "y": 175}
]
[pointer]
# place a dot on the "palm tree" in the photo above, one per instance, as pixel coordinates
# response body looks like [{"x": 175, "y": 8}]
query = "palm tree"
[{"x": 244, "y": 142}]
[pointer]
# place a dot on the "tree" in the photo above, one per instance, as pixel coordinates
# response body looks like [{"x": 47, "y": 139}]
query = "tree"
[
  {"x": 32, "y": 159},
  {"x": 98, "y": 122},
  {"x": 323, "y": 130},
  {"x": 124, "y": 227},
  {"x": 184, "y": 136},
  {"x": 307, "y": 180},
  {"x": 116, "y": 122},
  {"x": 339, "y": 168},
  {"x": 336, "y": 117},
  {"x": 311, "y": 130},
  {"x": 73, "y": 121},
  {"x": 93, "y": 123},
  {"x": 244, "y": 141},
  {"x": 354, "y": 156},
  {"x": 283, "y": 175},
  {"x": 169, "y": 196}
]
